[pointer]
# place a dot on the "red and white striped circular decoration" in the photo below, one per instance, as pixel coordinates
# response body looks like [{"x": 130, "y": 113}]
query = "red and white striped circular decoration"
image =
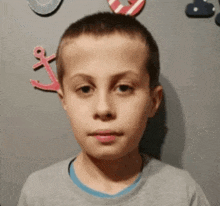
[{"x": 133, "y": 9}]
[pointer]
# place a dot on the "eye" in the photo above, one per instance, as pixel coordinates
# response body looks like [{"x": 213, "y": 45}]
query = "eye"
[
  {"x": 84, "y": 90},
  {"x": 125, "y": 88}
]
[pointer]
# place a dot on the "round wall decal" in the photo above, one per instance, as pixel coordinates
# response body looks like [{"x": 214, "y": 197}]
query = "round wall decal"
[
  {"x": 133, "y": 9},
  {"x": 44, "y": 9}
]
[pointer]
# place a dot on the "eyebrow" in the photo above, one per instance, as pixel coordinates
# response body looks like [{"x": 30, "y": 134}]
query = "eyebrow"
[{"x": 113, "y": 77}]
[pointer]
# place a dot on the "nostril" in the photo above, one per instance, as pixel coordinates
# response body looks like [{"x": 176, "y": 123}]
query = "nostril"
[
  {"x": 108, "y": 115},
  {"x": 104, "y": 116}
]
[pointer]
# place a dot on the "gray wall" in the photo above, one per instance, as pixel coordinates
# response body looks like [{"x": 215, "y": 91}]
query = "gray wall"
[{"x": 35, "y": 132}]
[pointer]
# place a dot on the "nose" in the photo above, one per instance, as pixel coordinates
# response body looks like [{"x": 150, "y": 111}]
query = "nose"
[{"x": 104, "y": 107}]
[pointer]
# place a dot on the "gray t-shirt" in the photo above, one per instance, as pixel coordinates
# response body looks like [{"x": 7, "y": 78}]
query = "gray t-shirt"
[{"x": 160, "y": 185}]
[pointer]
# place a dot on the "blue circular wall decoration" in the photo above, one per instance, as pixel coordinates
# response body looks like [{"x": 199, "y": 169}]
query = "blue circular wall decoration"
[{"x": 44, "y": 9}]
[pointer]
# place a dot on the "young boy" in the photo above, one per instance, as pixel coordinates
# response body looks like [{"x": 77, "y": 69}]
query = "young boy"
[{"x": 108, "y": 69}]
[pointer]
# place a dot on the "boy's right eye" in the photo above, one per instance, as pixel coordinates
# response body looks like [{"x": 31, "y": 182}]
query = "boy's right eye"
[{"x": 84, "y": 90}]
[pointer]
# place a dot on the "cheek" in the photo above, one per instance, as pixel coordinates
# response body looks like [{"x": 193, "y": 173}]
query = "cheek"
[
  {"x": 137, "y": 107},
  {"x": 134, "y": 114},
  {"x": 76, "y": 111},
  {"x": 74, "y": 107}
]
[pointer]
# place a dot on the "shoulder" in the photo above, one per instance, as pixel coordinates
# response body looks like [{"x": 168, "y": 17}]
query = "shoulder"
[
  {"x": 46, "y": 184},
  {"x": 59, "y": 168},
  {"x": 166, "y": 174},
  {"x": 48, "y": 177},
  {"x": 172, "y": 183}
]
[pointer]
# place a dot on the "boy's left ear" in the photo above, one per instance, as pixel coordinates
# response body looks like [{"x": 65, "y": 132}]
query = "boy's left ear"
[{"x": 156, "y": 95}]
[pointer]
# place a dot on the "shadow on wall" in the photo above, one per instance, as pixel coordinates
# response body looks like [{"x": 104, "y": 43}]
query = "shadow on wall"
[{"x": 167, "y": 134}]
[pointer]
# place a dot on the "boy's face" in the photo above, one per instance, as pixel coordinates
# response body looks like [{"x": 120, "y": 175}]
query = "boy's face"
[{"x": 106, "y": 89}]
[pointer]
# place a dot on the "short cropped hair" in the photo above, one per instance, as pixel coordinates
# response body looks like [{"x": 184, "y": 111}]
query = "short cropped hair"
[{"x": 106, "y": 23}]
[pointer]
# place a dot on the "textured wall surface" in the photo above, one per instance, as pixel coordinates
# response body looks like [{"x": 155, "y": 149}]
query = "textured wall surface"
[{"x": 35, "y": 132}]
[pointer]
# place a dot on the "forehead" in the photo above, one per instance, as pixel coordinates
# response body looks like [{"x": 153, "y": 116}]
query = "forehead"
[{"x": 115, "y": 51}]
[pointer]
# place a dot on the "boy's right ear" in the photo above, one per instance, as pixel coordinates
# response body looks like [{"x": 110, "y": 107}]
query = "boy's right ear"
[{"x": 61, "y": 97}]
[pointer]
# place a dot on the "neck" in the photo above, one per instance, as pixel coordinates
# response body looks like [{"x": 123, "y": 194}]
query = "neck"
[{"x": 117, "y": 170}]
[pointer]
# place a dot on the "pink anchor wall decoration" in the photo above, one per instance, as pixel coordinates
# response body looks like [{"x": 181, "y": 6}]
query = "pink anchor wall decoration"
[
  {"x": 39, "y": 53},
  {"x": 133, "y": 9}
]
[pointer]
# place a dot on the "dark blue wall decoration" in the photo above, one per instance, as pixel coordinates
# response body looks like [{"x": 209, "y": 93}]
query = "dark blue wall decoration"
[{"x": 200, "y": 9}]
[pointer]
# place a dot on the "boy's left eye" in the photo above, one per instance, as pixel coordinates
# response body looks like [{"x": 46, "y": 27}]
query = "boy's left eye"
[
  {"x": 85, "y": 89},
  {"x": 125, "y": 88}
]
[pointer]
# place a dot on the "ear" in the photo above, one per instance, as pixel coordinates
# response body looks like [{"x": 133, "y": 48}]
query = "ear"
[
  {"x": 61, "y": 97},
  {"x": 156, "y": 95}
]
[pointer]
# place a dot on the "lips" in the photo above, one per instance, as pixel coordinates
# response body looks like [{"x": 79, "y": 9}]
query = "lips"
[
  {"x": 106, "y": 135},
  {"x": 105, "y": 138}
]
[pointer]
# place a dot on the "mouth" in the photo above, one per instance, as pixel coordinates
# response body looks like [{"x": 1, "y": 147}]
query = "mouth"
[
  {"x": 106, "y": 132},
  {"x": 106, "y": 135}
]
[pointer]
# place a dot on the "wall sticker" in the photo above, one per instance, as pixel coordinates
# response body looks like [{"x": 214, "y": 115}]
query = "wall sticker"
[
  {"x": 44, "y": 9},
  {"x": 133, "y": 9},
  {"x": 202, "y": 9},
  {"x": 217, "y": 19},
  {"x": 39, "y": 53}
]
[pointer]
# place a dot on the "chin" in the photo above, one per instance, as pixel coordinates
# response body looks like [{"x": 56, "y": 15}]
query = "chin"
[{"x": 108, "y": 155}]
